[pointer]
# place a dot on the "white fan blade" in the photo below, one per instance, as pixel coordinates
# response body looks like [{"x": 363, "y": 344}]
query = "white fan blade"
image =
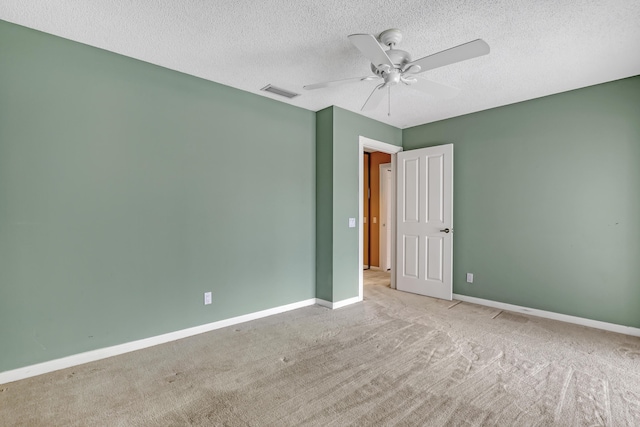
[
  {"x": 451, "y": 56},
  {"x": 338, "y": 82},
  {"x": 369, "y": 46},
  {"x": 374, "y": 99},
  {"x": 436, "y": 89}
]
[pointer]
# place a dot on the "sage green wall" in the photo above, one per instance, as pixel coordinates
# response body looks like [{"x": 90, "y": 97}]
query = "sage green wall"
[
  {"x": 324, "y": 204},
  {"x": 128, "y": 190},
  {"x": 347, "y": 129},
  {"x": 338, "y": 134},
  {"x": 547, "y": 201}
]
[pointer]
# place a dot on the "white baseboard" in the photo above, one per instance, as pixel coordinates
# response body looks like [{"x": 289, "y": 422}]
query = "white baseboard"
[
  {"x": 337, "y": 304},
  {"x": 612, "y": 327},
  {"x": 103, "y": 353},
  {"x": 371, "y": 267}
]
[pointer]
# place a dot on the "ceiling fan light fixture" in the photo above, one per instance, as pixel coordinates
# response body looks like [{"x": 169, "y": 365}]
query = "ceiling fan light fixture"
[{"x": 279, "y": 91}]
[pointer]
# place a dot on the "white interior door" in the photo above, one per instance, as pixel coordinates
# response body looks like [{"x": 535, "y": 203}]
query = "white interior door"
[
  {"x": 385, "y": 216},
  {"x": 424, "y": 243}
]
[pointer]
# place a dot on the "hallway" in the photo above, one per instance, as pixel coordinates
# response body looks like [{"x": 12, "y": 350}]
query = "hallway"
[{"x": 377, "y": 277}]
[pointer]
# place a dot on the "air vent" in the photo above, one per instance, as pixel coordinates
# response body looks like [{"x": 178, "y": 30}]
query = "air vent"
[{"x": 279, "y": 91}]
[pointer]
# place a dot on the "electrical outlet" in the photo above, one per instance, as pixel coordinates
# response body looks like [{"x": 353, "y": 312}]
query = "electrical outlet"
[
  {"x": 207, "y": 298},
  {"x": 469, "y": 277}
]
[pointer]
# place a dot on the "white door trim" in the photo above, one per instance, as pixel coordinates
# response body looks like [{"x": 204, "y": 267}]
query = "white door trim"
[{"x": 369, "y": 144}]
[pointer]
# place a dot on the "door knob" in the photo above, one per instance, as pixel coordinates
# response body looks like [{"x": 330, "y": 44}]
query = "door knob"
[{"x": 446, "y": 230}]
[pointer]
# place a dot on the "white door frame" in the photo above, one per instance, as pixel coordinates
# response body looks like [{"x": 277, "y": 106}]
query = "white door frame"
[
  {"x": 386, "y": 207},
  {"x": 368, "y": 144}
]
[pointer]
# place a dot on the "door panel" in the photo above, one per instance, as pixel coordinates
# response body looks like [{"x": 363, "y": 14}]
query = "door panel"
[
  {"x": 425, "y": 211},
  {"x": 411, "y": 258},
  {"x": 411, "y": 180},
  {"x": 435, "y": 190},
  {"x": 435, "y": 248}
]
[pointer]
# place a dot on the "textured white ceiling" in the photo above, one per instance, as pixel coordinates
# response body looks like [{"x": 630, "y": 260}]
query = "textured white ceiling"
[{"x": 538, "y": 47}]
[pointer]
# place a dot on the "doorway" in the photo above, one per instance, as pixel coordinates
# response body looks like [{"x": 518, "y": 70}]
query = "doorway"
[
  {"x": 372, "y": 221},
  {"x": 367, "y": 145}
]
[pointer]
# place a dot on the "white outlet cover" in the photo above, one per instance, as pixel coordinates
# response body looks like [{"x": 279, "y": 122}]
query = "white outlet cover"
[
  {"x": 207, "y": 298},
  {"x": 352, "y": 223},
  {"x": 469, "y": 277}
]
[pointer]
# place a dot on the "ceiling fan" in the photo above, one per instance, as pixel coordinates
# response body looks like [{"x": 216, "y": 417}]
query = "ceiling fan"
[{"x": 394, "y": 66}]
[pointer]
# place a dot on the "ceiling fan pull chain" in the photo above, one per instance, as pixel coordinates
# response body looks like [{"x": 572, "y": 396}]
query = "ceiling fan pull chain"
[{"x": 389, "y": 110}]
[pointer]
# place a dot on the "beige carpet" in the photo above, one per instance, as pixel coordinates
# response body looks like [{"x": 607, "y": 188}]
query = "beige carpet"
[{"x": 395, "y": 359}]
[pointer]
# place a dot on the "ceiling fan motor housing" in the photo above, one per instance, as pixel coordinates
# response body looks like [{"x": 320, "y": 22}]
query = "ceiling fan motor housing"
[{"x": 399, "y": 58}]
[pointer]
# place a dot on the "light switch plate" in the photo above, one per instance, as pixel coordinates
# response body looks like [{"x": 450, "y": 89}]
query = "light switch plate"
[
  {"x": 207, "y": 298},
  {"x": 352, "y": 223}
]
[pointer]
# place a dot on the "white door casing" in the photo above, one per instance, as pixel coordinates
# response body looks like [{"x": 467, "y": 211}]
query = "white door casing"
[
  {"x": 424, "y": 221},
  {"x": 385, "y": 216}
]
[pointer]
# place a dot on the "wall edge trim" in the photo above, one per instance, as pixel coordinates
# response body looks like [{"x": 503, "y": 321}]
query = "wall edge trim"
[
  {"x": 582, "y": 321},
  {"x": 103, "y": 353},
  {"x": 337, "y": 304}
]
